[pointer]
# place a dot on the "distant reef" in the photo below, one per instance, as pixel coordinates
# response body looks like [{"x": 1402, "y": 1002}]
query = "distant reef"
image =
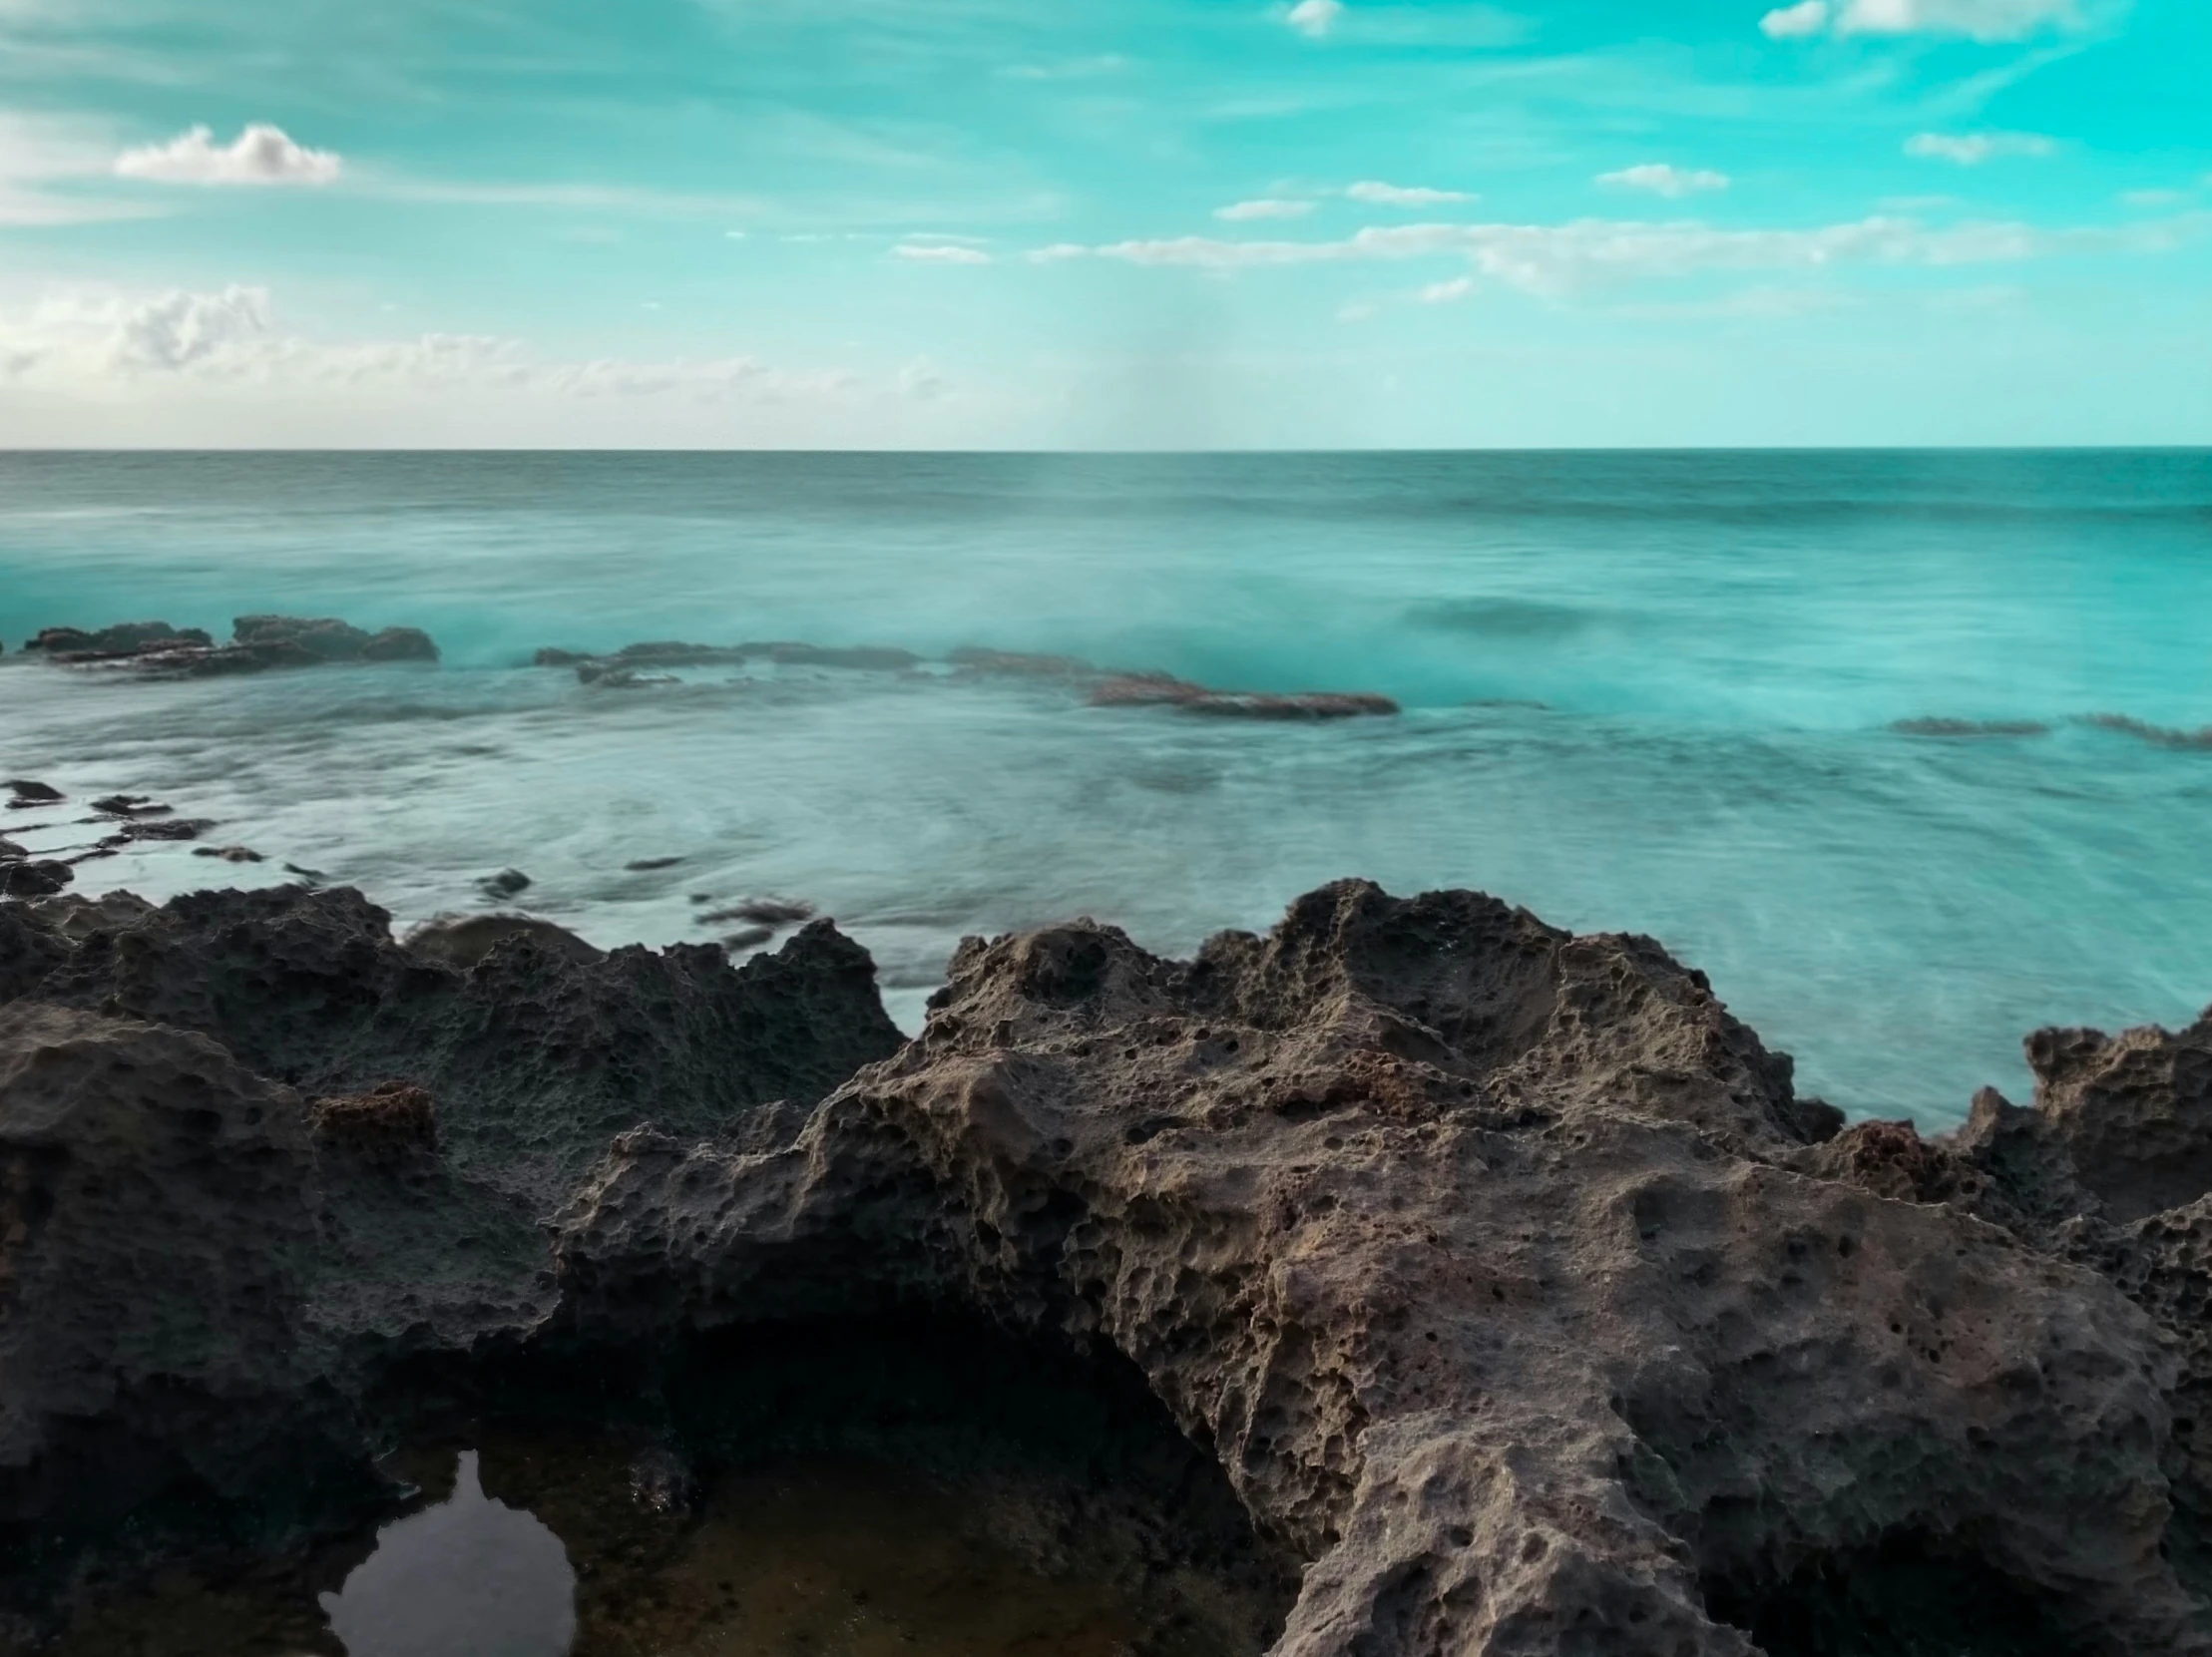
[{"x": 1520, "y": 1302}]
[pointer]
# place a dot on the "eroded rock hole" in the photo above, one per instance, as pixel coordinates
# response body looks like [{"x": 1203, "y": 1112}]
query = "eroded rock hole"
[
  {"x": 1909, "y": 1596},
  {"x": 928, "y": 1489}
]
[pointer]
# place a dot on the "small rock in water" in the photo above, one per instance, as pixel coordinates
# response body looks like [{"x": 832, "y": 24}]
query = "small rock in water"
[
  {"x": 180, "y": 828},
  {"x": 763, "y": 912},
  {"x": 313, "y": 877},
  {"x": 10, "y": 852},
  {"x": 230, "y": 854},
  {"x": 28, "y": 792},
  {"x": 703, "y": 897},
  {"x": 751, "y": 939},
  {"x": 506, "y": 883},
  {"x": 131, "y": 805},
  {"x": 34, "y": 880},
  {"x": 646, "y": 865}
]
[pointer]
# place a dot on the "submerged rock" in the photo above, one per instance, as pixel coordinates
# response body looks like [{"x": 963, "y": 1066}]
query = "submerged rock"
[
  {"x": 26, "y": 792},
  {"x": 508, "y": 883},
  {"x": 1971, "y": 727},
  {"x": 230, "y": 854},
  {"x": 1164, "y": 690},
  {"x": 2163, "y": 736},
  {"x": 1502, "y": 1273}
]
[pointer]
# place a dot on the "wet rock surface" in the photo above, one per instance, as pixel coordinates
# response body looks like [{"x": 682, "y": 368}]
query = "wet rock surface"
[
  {"x": 257, "y": 644},
  {"x": 1495, "y": 1280}
]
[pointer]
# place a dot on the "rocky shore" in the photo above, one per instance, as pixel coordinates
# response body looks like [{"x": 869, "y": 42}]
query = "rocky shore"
[{"x": 1501, "y": 1292}]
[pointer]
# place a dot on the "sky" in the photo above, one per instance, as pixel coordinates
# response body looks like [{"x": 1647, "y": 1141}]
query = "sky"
[{"x": 1150, "y": 223}]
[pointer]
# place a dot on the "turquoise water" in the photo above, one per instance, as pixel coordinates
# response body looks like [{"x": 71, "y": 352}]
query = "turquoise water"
[{"x": 1647, "y": 693}]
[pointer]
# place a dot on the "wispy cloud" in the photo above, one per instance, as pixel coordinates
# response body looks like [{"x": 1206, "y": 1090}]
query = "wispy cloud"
[
  {"x": 1445, "y": 294},
  {"x": 1982, "y": 20},
  {"x": 1973, "y": 149},
  {"x": 1555, "y": 260},
  {"x": 940, "y": 252},
  {"x": 1314, "y": 18},
  {"x": 1075, "y": 68},
  {"x": 37, "y": 155},
  {"x": 1270, "y": 206},
  {"x": 1660, "y": 178},
  {"x": 578, "y": 197},
  {"x": 1377, "y": 194},
  {"x": 261, "y": 155}
]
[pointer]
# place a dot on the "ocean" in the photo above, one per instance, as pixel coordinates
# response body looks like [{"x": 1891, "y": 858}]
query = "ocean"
[{"x": 1640, "y": 691}]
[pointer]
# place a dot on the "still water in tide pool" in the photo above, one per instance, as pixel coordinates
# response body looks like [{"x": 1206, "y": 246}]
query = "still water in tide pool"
[
  {"x": 828, "y": 1560},
  {"x": 1648, "y": 692}
]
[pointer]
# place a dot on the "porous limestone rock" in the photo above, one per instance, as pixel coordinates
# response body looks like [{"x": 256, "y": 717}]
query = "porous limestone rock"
[{"x": 1473, "y": 1252}]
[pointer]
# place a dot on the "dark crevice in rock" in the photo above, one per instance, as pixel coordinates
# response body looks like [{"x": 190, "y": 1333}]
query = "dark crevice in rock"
[{"x": 1906, "y": 1595}]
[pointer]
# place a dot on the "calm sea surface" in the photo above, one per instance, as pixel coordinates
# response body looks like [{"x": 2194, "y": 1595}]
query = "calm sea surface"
[{"x": 1649, "y": 692}]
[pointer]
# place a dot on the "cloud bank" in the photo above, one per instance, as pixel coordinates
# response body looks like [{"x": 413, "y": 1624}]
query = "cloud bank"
[
  {"x": 261, "y": 155},
  {"x": 89, "y": 341}
]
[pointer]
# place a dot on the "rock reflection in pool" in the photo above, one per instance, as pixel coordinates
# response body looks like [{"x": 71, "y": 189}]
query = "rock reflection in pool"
[{"x": 469, "y": 1577}]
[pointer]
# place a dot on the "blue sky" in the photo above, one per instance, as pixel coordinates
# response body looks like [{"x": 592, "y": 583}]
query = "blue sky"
[{"x": 1152, "y": 223}]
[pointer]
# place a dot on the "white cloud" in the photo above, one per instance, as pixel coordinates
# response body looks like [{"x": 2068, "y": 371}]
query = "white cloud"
[
  {"x": 1806, "y": 17},
  {"x": 1973, "y": 149},
  {"x": 91, "y": 341},
  {"x": 1315, "y": 18},
  {"x": 940, "y": 252},
  {"x": 1378, "y": 193},
  {"x": 1445, "y": 293},
  {"x": 1554, "y": 259},
  {"x": 1266, "y": 207},
  {"x": 261, "y": 155},
  {"x": 1661, "y": 180},
  {"x": 1982, "y": 20}
]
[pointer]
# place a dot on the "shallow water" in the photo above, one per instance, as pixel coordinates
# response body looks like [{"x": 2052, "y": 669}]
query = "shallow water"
[
  {"x": 828, "y": 1558},
  {"x": 1649, "y": 692}
]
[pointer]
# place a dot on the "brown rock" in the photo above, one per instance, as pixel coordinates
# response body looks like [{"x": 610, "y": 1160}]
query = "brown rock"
[{"x": 392, "y": 1121}]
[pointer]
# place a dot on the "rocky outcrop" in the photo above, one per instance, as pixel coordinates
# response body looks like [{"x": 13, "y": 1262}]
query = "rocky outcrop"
[
  {"x": 1504, "y": 1274},
  {"x": 259, "y": 644},
  {"x": 1474, "y": 1252},
  {"x": 121, "y": 639}
]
